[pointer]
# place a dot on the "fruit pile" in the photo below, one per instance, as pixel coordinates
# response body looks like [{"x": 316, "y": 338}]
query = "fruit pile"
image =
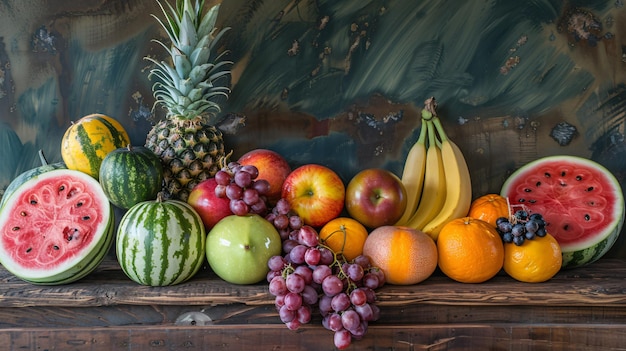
[{"x": 321, "y": 245}]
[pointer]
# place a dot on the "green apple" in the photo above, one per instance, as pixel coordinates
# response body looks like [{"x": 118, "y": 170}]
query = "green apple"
[{"x": 238, "y": 248}]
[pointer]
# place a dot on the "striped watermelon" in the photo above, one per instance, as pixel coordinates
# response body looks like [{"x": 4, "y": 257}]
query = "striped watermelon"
[
  {"x": 131, "y": 175},
  {"x": 161, "y": 242},
  {"x": 55, "y": 228},
  {"x": 87, "y": 142},
  {"x": 581, "y": 201}
]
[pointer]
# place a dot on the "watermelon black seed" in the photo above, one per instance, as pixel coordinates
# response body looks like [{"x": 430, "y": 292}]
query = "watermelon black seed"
[
  {"x": 33, "y": 202},
  {"x": 15, "y": 229},
  {"x": 566, "y": 227},
  {"x": 71, "y": 193},
  {"x": 23, "y": 214},
  {"x": 79, "y": 204},
  {"x": 587, "y": 217},
  {"x": 29, "y": 249},
  {"x": 563, "y": 184},
  {"x": 86, "y": 218},
  {"x": 590, "y": 188},
  {"x": 532, "y": 201},
  {"x": 527, "y": 190},
  {"x": 563, "y": 174},
  {"x": 547, "y": 175},
  {"x": 538, "y": 184},
  {"x": 61, "y": 188},
  {"x": 579, "y": 178},
  {"x": 55, "y": 247}
]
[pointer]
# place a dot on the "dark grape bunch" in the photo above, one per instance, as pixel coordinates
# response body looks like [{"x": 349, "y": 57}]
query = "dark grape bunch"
[
  {"x": 240, "y": 185},
  {"x": 309, "y": 275},
  {"x": 520, "y": 227},
  {"x": 284, "y": 220}
]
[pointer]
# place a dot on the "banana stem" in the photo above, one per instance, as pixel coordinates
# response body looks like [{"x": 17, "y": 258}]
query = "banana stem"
[
  {"x": 429, "y": 110},
  {"x": 442, "y": 133},
  {"x": 422, "y": 137},
  {"x": 431, "y": 134},
  {"x": 430, "y": 105}
]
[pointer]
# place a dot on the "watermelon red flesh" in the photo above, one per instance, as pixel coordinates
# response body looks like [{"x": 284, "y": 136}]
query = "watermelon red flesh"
[
  {"x": 53, "y": 226},
  {"x": 581, "y": 201}
]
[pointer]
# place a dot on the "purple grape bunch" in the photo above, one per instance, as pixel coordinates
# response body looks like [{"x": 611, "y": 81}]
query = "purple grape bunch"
[
  {"x": 309, "y": 275},
  {"x": 240, "y": 185},
  {"x": 284, "y": 220},
  {"x": 521, "y": 226}
]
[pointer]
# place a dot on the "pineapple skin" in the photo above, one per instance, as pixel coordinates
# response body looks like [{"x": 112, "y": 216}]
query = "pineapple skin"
[{"x": 190, "y": 151}]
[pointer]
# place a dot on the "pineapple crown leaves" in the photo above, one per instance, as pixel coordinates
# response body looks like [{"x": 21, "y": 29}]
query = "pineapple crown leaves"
[{"x": 186, "y": 86}]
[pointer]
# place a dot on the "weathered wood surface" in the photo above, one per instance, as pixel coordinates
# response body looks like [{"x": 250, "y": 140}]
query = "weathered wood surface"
[
  {"x": 236, "y": 314},
  {"x": 475, "y": 337},
  {"x": 601, "y": 284},
  {"x": 580, "y": 309}
]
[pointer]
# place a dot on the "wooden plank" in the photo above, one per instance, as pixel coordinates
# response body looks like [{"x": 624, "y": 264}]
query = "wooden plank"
[
  {"x": 419, "y": 314},
  {"x": 601, "y": 283},
  {"x": 276, "y": 337}
]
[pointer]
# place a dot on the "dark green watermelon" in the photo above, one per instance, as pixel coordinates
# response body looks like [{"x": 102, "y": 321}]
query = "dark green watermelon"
[{"x": 131, "y": 175}]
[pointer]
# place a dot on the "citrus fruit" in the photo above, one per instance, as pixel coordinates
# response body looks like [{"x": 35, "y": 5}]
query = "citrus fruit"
[
  {"x": 344, "y": 235},
  {"x": 489, "y": 208},
  {"x": 407, "y": 256},
  {"x": 534, "y": 261},
  {"x": 470, "y": 250}
]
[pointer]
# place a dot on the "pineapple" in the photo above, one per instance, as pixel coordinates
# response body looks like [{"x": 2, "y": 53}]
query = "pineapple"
[{"x": 191, "y": 148}]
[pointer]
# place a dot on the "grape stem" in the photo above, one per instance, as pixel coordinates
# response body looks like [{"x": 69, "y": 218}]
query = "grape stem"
[{"x": 344, "y": 231}]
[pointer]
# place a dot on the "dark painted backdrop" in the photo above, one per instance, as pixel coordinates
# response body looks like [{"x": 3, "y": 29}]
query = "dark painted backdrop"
[{"x": 339, "y": 83}]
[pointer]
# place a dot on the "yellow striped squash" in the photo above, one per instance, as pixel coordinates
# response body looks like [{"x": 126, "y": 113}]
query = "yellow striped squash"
[{"x": 87, "y": 142}]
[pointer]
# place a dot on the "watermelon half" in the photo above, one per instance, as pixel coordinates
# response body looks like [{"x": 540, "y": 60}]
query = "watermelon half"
[
  {"x": 581, "y": 201},
  {"x": 55, "y": 228}
]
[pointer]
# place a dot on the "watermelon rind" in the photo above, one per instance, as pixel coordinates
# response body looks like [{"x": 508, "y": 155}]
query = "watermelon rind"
[
  {"x": 160, "y": 243},
  {"x": 87, "y": 258},
  {"x": 86, "y": 267},
  {"x": 26, "y": 175},
  {"x": 583, "y": 252}
]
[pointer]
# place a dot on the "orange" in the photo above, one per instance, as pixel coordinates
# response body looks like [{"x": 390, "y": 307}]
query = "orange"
[
  {"x": 470, "y": 250},
  {"x": 345, "y": 236},
  {"x": 489, "y": 208},
  {"x": 534, "y": 261},
  {"x": 405, "y": 255}
]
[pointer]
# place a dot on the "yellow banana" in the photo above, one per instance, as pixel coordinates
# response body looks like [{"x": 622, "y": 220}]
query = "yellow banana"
[
  {"x": 434, "y": 190},
  {"x": 413, "y": 175},
  {"x": 458, "y": 184}
]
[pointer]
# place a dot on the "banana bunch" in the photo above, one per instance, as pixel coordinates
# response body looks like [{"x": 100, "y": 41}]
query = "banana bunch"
[{"x": 436, "y": 178}]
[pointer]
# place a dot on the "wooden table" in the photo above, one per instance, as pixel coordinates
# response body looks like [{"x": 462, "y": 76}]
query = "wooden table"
[{"x": 579, "y": 309}]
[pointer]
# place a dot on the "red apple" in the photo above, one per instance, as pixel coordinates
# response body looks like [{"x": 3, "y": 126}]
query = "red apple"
[
  {"x": 375, "y": 197},
  {"x": 210, "y": 207},
  {"x": 315, "y": 192},
  {"x": 272, "y": 167}
]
